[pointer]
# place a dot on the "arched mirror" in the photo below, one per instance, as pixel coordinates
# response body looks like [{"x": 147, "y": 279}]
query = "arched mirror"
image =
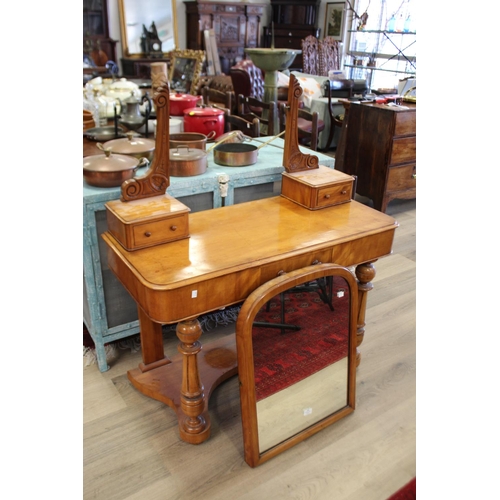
[
  {"x": 148, "y": 27},
  {"x": 296, "y": 343}
]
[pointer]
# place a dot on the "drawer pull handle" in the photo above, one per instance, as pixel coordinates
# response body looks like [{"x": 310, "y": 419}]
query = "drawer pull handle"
[
  {"x": 414, "y": 176},
  {"x": 173, "y": 228},
  {"x": 147, "y": 234},
  {"x": 327, "y": 196},
  {"x": 343, "y": 192},
  {"x": 316, "y": 262},
  {"x": 281, "y": 273}
]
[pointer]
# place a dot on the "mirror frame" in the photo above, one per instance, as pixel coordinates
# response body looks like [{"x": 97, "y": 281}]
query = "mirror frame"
[
  {"x": 252, "y": 305},
  {"x": 124, "y": 33},
  {"x": 199, "y": 58}
]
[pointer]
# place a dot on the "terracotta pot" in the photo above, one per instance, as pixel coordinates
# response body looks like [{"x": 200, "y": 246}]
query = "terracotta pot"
[
  {"x": 132, "y": 145},
  {"x": 204, "y": 120},
  {"x": 186, "y": 162},
  {"x": 110, "y": 170},
  {"x": 180, "y": 102},
  {"x": 191, "y": 140}
]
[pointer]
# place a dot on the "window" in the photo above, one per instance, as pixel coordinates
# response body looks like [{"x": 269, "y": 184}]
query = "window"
[{"x": 384, "y": 51}]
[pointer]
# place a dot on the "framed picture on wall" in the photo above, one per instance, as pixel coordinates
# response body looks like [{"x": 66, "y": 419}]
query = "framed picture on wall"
[{"x": 334, "y": 20}]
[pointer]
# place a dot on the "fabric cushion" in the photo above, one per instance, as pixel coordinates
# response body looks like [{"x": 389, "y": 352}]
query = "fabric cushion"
[{"x": 312, "y": 89}]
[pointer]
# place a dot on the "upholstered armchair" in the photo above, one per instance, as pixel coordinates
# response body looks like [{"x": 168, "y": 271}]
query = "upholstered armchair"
[{"x": 248, "y": 79}]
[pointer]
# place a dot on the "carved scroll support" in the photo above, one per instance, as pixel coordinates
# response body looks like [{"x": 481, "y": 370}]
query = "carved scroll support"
[
  {"x": 157, "y": 179},
  {"x": 365, "y": 274},
  {"x": 293, "y": 159}
]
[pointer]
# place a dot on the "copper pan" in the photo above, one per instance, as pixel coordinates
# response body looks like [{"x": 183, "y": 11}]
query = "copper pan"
[{"x": 239, "y": 154}]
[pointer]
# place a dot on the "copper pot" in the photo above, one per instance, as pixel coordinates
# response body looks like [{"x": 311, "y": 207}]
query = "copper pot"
[
  {"x": 186, "y": 162},
  {"x": 191, "y": 140},
  {"x": 132, "y": 145},
  {"x": 110, "y": 170}
]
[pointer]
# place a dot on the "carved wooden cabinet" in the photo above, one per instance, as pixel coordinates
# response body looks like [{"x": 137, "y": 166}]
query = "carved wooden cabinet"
[
  {"x": 293, "y": 21},
  {"x": 236, "y": 26},
  {"x": 378, "y": 145}
]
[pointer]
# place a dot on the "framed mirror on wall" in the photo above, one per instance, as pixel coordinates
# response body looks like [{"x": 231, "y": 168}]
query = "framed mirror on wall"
[
  {"x": 148, "y": 27},
  {"x": 185, "y": 70},
  {"x": 296, "y": 346}
]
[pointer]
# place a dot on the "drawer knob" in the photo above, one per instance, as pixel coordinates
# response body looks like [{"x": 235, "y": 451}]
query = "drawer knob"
[
  {"x": 343, "y": 192},
  {"x": 147, "y": 234},
  {"x": 327, "y": 196},
  {"x": 414, "y": 176},
  {"x": 173, "y": 228}
]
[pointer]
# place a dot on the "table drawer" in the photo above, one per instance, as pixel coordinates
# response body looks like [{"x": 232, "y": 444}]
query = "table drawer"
[
  {"x": 270, "y": 271},
  {"x": 152, "y": 233},
  {"x": 402, "y": 177},
  {"x": 406, "y": 123},
  {"x": 404, "y": 150}
]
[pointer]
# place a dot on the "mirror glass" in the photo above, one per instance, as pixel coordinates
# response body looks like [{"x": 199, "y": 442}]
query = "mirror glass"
[
  {"x": 185, "y": 70},
  {"x": 139, "y": 14},
  {"x": 296, "y": 356},
  {"x": 301, "y": 371}
]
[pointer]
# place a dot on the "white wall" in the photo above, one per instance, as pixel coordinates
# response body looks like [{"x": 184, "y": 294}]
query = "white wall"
[{"x": 115, "y": 34}]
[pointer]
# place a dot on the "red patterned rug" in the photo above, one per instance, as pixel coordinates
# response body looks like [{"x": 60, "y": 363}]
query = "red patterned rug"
[
  {"x": 282, "y": 359},
  {"x": 407, "y": 492}
]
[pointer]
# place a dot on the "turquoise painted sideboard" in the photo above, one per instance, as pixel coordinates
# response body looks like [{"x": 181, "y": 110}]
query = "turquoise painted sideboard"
[{"x": 109, "y": 313}]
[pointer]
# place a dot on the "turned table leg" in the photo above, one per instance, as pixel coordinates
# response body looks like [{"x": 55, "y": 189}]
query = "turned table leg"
[
  {"x": 193, "y": 426},
  {"x": 365, "y": 274}
]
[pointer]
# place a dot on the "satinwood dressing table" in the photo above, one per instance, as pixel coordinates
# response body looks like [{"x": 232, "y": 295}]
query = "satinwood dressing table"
[{"x": 230, "y": 252}]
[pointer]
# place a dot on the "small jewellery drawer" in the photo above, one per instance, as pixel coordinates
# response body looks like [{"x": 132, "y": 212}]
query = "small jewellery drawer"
[
  {"x": 334, "y": 194},
  {"x": 153, "y": 233},
  {"x": 147, "y": 222}
]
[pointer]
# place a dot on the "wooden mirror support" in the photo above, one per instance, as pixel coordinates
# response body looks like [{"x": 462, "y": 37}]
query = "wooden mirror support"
[
  {"x": 296, "y": 344},
  {"x": 293, "y": 159},
  {"x": 157, "y": 179}
]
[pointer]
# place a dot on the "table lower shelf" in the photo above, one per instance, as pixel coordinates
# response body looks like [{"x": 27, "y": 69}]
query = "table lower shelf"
[{"x": 217, "y": 361}]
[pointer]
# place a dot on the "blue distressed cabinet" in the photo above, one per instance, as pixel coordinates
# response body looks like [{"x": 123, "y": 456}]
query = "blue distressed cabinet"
[{"x": 109, "y": 313}]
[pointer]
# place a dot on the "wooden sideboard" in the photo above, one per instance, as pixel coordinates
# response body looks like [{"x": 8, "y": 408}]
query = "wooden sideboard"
[
  {"x": 236, "y": 26},
  {"x": 378, "y": 145},
  {"x": 140, "y": 67}
]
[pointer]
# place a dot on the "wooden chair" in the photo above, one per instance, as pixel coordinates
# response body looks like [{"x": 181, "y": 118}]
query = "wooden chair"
[
  {"x": 308, "y": 123},
  {"x": 329, "y": 56},
  {"x": 249, "y": 107},
  {"x": 248, "y": 127},
  {"x": 342, "y": 88},
  {"x": 218, "y": 98},
  {"x": 310, "y": 55}
]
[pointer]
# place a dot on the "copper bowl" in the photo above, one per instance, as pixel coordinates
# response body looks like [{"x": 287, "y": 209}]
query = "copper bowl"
[
  {"x": 110, "y": 170},
  {"x": 132, "y": 145}
]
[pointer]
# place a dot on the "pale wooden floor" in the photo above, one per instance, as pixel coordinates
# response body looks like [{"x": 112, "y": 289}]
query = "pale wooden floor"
[{"x": 132, "y": 451}]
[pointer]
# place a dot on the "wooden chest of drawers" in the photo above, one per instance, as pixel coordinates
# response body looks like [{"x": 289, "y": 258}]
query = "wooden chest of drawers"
[{"x": 379, "y": 147}]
